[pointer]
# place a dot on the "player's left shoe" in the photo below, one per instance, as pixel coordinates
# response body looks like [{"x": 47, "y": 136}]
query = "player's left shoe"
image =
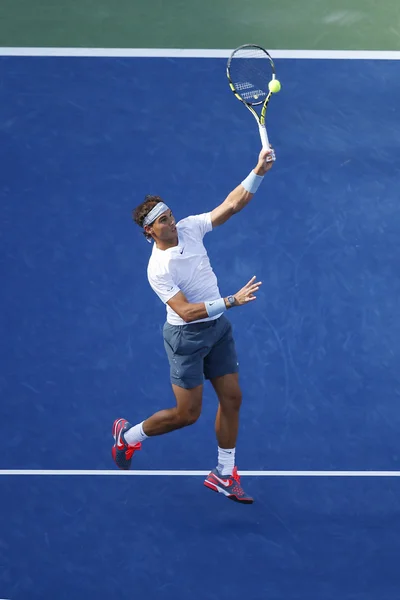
[{"x": 229, "y": 485}]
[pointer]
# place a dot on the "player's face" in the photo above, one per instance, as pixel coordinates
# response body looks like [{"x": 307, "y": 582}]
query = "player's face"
[{"x": 164, "y": 228}]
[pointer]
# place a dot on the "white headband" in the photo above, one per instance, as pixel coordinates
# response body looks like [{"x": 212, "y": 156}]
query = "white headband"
[{"x": 155, "y": 212}]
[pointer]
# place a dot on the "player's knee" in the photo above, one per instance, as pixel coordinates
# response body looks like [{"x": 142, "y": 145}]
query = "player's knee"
[
  {"x": 192, "y": 418},
  {"x": 189, "y": 415},
  {"x": 232, "y": 401}
]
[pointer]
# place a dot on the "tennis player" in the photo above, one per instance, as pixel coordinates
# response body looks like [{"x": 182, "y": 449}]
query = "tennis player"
[{"x": 197, "y": 334}]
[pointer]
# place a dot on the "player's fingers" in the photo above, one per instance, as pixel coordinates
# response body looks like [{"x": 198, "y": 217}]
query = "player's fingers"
[
  {"x": 249, "y": 283},
  {"x": 267, "y": 151},
  {"x": 269, "y": 155}
]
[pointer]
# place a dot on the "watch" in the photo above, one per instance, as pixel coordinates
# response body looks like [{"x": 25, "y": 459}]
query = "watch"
[{"x": 231, "y": 301}]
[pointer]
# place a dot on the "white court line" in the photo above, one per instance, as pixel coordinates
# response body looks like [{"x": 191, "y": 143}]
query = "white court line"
[
  {"x": 200, "y": 473},
  {"x": 197, "y": 53}
]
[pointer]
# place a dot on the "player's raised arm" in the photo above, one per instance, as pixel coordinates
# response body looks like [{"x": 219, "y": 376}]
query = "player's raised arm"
[{"x": 243, "y": 193}]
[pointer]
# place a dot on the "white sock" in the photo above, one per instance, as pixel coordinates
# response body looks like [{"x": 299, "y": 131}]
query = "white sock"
[
  {"x": 135, "y": 434},
  {"x": 226, "y": 460}
]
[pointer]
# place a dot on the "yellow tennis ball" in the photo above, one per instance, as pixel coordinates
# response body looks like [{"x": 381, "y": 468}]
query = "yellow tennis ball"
[{"x": 274, "y": 86}]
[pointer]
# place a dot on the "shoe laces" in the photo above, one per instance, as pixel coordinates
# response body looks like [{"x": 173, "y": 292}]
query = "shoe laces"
[
  {"x": 235, "y": 475},
  {"x": 131, "y": 449}
]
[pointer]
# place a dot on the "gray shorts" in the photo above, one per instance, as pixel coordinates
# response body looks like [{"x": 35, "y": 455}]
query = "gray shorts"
[{"x": 200, "y": 350}]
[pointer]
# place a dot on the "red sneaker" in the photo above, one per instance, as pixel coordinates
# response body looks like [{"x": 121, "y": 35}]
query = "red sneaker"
[
  {"x": 229, "y": 485},
  {"x": 121, "y": 451}
]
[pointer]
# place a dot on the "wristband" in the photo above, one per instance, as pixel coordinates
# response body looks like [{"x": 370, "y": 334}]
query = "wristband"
[
  {"x": 215, "y": 307},
  {"x": 252, "y": 182}
]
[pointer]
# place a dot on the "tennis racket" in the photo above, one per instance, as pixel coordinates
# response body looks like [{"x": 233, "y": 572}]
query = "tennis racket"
[{"x": 249, "y": 70}]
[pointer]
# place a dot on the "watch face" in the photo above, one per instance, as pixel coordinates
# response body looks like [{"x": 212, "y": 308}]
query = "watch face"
[{"x": 231, "y": 300}]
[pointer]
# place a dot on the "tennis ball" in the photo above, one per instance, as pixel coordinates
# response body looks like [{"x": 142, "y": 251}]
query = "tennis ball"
[{"x": 274, "y": 86}]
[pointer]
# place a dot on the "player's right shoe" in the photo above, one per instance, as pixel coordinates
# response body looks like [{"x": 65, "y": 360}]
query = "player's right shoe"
[
  {"x": 229, "y": 485},
  {"x": 121, "y": 451}
]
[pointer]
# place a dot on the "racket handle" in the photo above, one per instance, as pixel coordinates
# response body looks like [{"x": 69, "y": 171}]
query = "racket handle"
[
  {"x": 265, "y": 141},
  {"x": 264, "y": 137}
]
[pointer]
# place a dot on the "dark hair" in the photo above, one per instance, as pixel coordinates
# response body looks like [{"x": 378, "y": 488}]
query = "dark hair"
[{"x": 139, "y": 213}]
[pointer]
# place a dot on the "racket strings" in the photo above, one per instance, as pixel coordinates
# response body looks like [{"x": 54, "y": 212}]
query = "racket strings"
[{"x": 249, "y": 71}]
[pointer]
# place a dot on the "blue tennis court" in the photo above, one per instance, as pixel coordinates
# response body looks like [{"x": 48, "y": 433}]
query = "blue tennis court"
[{"x": 83, "y": 140}]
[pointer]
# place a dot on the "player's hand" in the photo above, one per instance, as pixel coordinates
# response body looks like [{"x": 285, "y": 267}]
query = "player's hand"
[
  {"x": 247, "y": 293},
  {"x": 264, "y": 165}
]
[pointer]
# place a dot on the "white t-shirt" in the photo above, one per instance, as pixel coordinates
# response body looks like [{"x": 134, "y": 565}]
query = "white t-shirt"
[{"x": 185, "y": 267}]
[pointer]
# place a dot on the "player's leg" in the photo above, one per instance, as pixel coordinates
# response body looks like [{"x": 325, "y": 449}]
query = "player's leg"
[
  {"x": 186, "y": 412},
  {"x": 229, "y": 395},
  {"x": 129, "y": 438},
  {"x": 221, "y": 367},
  {"x": 185, "y": 349}
]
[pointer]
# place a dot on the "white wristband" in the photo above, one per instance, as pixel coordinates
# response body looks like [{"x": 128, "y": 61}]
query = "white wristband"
[
  {"x": 252, "y": 182},
  {"x": 215, "y": 307}
]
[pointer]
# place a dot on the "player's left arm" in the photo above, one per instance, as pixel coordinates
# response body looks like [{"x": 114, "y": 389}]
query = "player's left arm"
[{"x": 243, "y": 193}]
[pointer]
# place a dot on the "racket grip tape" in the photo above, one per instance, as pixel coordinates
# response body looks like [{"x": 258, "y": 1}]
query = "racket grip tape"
[{"x": 265, "y": 141}]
